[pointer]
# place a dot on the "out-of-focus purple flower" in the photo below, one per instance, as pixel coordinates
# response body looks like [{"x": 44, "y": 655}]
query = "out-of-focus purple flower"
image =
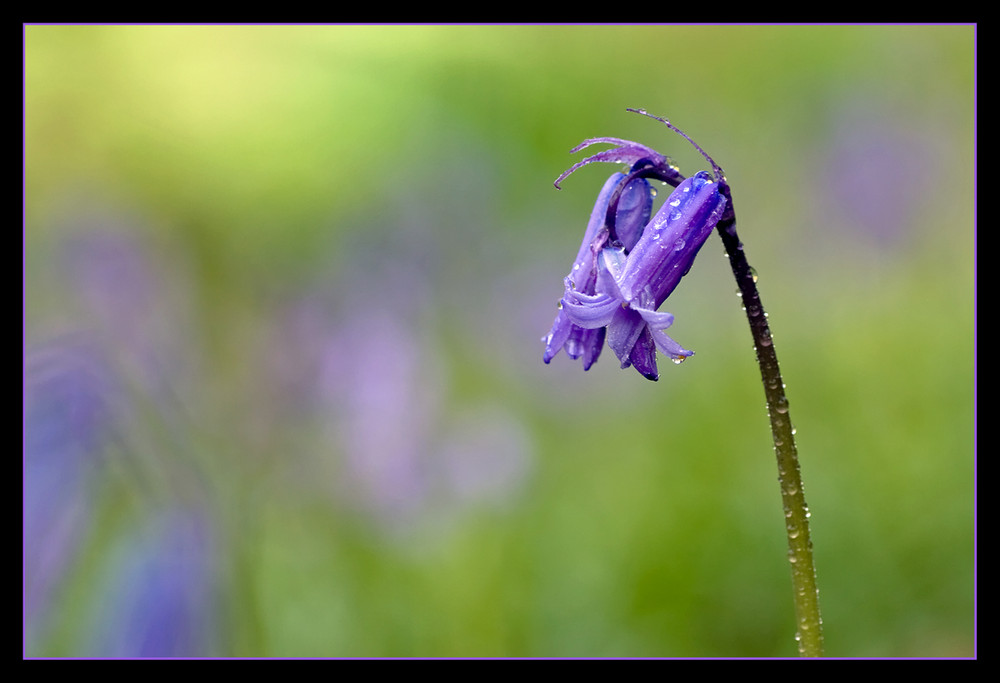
[
  {"x": 69, "y": 412},
  {"x": 111, "y": 277},
  {"x": 161, "y": 599},
  {"x": 634, "y": 208},
  {"x": 631, "y": 282},
  {"x": 379, "y": 414},
  {"x": 485, "y": 457},
  {"x": 386, "y": 416},
  {"x": 371, "y": 386},
  {"x": 865, "y": 147},
  {"x": 119, "y": 288}
]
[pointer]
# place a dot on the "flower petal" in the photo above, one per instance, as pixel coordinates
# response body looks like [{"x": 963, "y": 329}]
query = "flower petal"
[
  {"x": 623, "y": 331},
  {"x": 626, "y": 152},
  {"x": 643, "y": 356},
  {"x": 673, "y": 238},
  {"x": 584, "y": 270},
  {"x": 591, "y": 344},
  {"x": 590, "y": 312},
  {"x": 669, "y": 347},
  {"x": 657, "y": 322},
  {"x": 635, "y": 206},
  {"x": 557, "y": 336},
  {"x": 655, "y": 319}
]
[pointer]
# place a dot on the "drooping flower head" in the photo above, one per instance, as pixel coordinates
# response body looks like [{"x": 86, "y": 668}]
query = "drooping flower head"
[
  {"x": 627, "y": 282},
  {"x": 635, "y": 205}
]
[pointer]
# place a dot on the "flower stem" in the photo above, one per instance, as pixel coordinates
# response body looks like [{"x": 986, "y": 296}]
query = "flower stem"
[{"x": 809, "y": 623}]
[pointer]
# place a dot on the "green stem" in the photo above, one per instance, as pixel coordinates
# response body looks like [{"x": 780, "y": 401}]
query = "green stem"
[{"x": 809, "y": 623}]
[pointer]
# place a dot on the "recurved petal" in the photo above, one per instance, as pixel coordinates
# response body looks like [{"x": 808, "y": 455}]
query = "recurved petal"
[
  {"x": 626, "y": 152},
  {"x": 589, "y": 311},
  {"x": 655, "y": 319},
  {"x": 658, "y": 321},
  {"x": 669, "y": 347}
]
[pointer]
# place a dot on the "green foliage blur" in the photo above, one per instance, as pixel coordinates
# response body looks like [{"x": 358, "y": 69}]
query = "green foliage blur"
[{"x": 398, "y": 179}]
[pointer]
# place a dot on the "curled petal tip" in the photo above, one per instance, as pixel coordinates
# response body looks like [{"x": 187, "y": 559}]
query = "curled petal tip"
[{"x": 623, "y": 152}]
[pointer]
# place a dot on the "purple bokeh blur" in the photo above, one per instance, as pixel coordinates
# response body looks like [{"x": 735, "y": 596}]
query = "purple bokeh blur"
[
  {"x": 70, "y": 413},
  {"x": 161, "y": 590}
]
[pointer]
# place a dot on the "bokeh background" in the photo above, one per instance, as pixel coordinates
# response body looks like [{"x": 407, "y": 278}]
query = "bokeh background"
[{"x": 283, "y": 392}]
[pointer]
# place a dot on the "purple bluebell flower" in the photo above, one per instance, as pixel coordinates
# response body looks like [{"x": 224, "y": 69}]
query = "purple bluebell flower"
[
  {"x": 632, "y": 281},
  {"x": 485, "y": 458},
  {"x": 402, "y": 460},
  {"x": 634, "y": 208},
  {"x": 162, "y": 595},
  {"x": 70, "y": 414}
]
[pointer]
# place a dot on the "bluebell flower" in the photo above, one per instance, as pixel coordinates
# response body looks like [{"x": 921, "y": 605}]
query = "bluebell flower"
[
  {"x": 70, "y": 414},
  {"x": 161, "y": 598},
  {"x": 632, "y": 281},
  {"x": 634, "y": 208}
]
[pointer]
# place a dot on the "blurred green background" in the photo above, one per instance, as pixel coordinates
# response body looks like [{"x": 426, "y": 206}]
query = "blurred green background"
[{"x": 284, "y": 396}]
